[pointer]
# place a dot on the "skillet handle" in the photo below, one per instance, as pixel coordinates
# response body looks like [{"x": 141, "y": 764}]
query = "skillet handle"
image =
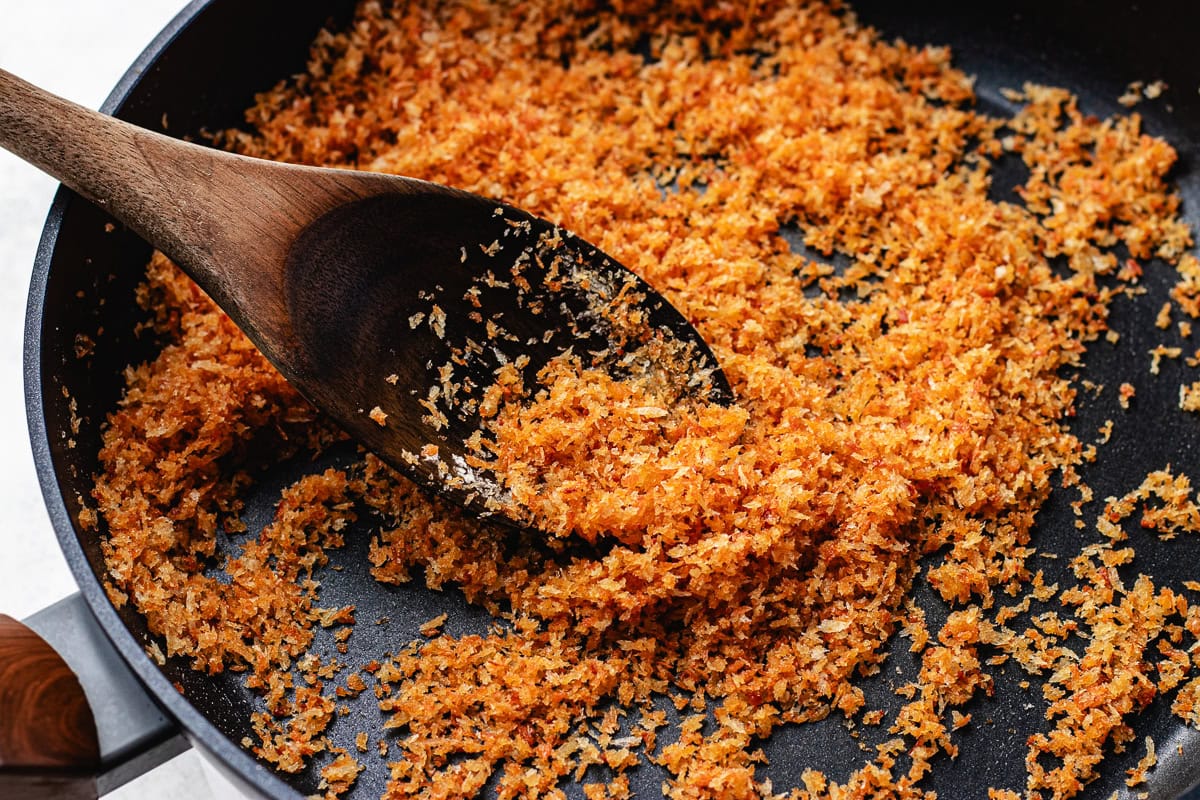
[
  {"x": 44, "y": 662},
  {"x": 48, "y": 742}
]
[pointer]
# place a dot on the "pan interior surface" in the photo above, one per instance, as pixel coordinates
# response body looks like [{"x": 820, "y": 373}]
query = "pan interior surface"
[{"x": 87, "y": 277}]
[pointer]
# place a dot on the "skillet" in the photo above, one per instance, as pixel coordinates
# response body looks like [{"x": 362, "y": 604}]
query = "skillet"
[{"x": 83, "y": 281}]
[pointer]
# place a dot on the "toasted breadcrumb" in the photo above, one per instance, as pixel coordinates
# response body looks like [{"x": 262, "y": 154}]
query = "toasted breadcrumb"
[
  {"x": 1137, "y": 775},
  {"x": 1132, "y": 95},
  {"x": 1163, "y": 320},
  {"x": 1160, "y": 352},
  {"x": 1125, "y": 394},
  {"x": 750, "y": 562},
  {"x": 338, "y": 776},
  {"x": 433, "y": 626},
  {"x": 1189, "y": 397}
]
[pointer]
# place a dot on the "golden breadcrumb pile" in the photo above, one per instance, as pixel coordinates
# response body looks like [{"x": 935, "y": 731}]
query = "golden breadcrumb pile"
[{"x": 748, "y": 562}]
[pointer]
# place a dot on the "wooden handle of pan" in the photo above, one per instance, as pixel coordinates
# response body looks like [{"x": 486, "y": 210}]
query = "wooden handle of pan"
[{"x": 48, "y": 743}]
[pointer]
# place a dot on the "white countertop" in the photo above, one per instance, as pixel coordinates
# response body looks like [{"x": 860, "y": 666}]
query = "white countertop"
[{"x": 78, "y": 49}]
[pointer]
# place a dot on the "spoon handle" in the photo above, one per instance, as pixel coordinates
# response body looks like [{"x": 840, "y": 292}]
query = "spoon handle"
[
  {"x": 130, "y": 172},
  {"x": 214, "y": 213},
  {"x": 88, "y": 151}
]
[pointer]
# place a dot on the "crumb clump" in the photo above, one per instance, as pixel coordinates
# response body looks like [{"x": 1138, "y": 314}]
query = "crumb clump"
[
  {"x": 1189, "y": 397},
  {"x": 749, "y": 562}
]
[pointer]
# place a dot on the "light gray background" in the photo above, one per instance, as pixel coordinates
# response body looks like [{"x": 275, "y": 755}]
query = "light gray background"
[{"x": 78, "y": 49}]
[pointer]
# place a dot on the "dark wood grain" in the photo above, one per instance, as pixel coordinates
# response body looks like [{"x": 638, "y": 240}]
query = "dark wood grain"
[{"x": 48, "y": 745}]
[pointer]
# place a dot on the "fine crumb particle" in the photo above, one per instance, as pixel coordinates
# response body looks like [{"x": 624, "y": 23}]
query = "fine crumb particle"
[
  {"x": 155, "y": 652},
  {"x": 339, "y": 775},
  {"x": 1137, "y": 775},
  {"x": 360, "y": 741},
  {"x": 1137, "y": 90},
  {"x": 1132, "y": 95},
  {"x": 437, "y": 321},
  {"x": 84, "y": 345},
  {"x": 87, "y": 515},
  {"x": 1189, "y": 397},
  {"x": 1125, "y": 394},
  {"x": 393, "y": 379},
  {"x": 434, "y": 626},
  {"x": 1160, "y": 352},
  {"x": 379, "y": 416},
  {"x": 1163, "y": 320}
]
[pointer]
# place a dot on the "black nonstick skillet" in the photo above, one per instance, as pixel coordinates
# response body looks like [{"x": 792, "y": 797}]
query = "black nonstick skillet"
[{"x": 202, "y": 72}]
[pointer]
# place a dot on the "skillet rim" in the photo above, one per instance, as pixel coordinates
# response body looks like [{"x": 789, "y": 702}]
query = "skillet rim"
[
  {"x": 250, "y": 773},
  {"x": 197, "y": 727}
]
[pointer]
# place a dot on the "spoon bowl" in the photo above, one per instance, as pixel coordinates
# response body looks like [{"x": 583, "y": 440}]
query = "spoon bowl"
[{"x": 390, "y": 303}]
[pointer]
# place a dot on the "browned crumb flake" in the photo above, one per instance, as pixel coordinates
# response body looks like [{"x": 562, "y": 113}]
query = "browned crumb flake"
[
  {"x": 338, "y": 776},
  {"x": 1125, "y": 394},
  {"x": 757, "y": 558},
  {"x": 1137, "y": 775},
  {"x": 1189, "y": 397}
]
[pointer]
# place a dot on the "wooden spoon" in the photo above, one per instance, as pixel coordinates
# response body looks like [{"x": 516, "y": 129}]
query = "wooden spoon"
[{"x": 388, "y": 302}]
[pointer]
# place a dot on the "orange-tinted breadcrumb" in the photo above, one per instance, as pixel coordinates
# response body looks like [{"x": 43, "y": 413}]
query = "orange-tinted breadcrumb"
[{"x": 756, "y": 559}]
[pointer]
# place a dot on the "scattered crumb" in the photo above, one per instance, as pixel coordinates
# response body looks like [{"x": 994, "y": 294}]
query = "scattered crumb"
[
  {"x": 1162, "y": 351},
  {"x": 1163, "y": 320},
  {"x": 1126, "y": 393},
  {"x": 155, "y": 652},
  {"x": 749, "y": 561},
  {"x": 1189, "y": 397},
  {"x": 434, "y": 626},
  {"x": 1137, "y": 775}
]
